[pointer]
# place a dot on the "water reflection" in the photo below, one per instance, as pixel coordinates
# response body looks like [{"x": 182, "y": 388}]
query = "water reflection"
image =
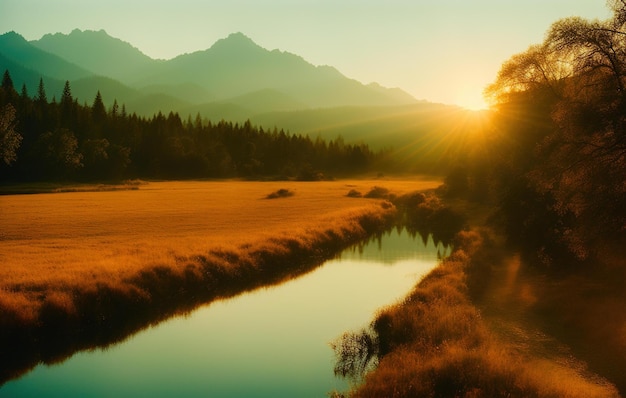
[
  {"x": 399, "y": 244},
  {"x": 271, "y": 342}
]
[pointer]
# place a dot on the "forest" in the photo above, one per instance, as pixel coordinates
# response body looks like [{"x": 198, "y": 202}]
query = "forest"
[
  {"x": 42, "y": 140},
  {"x": 554, "y": 159}
]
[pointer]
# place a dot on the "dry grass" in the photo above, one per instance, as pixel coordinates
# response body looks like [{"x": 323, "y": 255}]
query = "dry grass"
[
  {"x": 436, "y": 344},
  {"x": 84, "y": 263}
]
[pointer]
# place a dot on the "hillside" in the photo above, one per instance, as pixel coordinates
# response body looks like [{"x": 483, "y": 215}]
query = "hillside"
[
  {"x": 99, "y": 53},
  {"x": 232, "y": 67},
  {"x": 16, "y": 49},
  {"x": 235, "y": 79}
]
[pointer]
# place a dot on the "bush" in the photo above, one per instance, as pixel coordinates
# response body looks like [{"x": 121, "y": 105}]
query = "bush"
[
  {"x": 281, "y": 193},
  {"x": 378, "y": 193},
  {"x": 354, "y": 194}
]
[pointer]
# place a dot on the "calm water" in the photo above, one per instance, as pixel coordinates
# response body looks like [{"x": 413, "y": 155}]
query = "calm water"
[{"x": 268, "y": 343}]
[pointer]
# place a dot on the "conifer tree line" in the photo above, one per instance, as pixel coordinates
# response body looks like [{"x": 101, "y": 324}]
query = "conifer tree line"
[{"x": 44, "y": 139}]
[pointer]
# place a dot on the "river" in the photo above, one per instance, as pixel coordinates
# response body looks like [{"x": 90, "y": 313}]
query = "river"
[{"x": 271, "y": 342}]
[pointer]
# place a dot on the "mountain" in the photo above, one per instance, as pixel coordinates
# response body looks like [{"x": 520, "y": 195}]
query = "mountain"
[
  {"x": 29, "y": 77},
  {"x": 422, "y": 135},
  {"x": 18, "y": 50},
  {"x": 235, "y": 79},
  {"x": 232, "y": 67},
  {"x": 380, "y": 127},
  {"x": 99, "y": 53},
  {"x": 236, "y": 66},
  {"x": 84, "y": 90}
]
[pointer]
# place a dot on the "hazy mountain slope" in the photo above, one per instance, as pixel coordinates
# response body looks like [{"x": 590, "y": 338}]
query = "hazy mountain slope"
[
  {"x": 15, "y": 48},
  {"x": 267, "y": 100},
  {"x": 190, "y": 92},
  {"x": 380, "y": 127},
  {"x": 239, "y": 109},
  {"x": 98, "y": 52},
  {"x": 85, "y": 90},
  {"x": 234, "y": 70},
  {"x": 422, "y": 137},
  {"x": 216, "y": 111},
  {"x": 396, "y": 94},
  {"x": 22, "y": 75},
  {"x": 150, "y": 104},
  {"x": 235, "y": 66}
]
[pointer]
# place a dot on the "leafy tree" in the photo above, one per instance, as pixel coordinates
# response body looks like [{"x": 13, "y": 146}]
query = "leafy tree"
[
  {"x": 10, "y": 139},
  {"x": 58, "y": 153},
  {"x": 561, "y": 123}
]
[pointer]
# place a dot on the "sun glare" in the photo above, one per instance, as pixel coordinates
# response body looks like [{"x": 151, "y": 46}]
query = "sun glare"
[
  {"x": 473, "y": 103},
  {"x": 471, "y": 98}
]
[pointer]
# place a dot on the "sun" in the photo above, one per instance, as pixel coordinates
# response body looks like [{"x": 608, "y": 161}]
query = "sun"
[
  {"x": 471, "y": 97},
  {"x": 473, "y": 103}
]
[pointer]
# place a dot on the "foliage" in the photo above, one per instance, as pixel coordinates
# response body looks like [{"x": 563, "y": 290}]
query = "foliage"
[
  {"x": 555, "y": 160},
  {"x": 281, "y": 193},
  {"x": 10, "y": 139},
  {"x": 93, "y": 143}
]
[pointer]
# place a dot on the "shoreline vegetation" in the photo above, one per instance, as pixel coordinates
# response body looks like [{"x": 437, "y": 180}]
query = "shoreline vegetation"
[
  {"x": 476, "y": 326},
  {"x": 55, "y": 307}
]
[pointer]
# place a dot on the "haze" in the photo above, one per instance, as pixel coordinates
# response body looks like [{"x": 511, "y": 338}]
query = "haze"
[{"x": 441, "y": 51}]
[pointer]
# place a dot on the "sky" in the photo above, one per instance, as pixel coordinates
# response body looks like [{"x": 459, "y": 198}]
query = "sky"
[{"x": 443, "y": 51}]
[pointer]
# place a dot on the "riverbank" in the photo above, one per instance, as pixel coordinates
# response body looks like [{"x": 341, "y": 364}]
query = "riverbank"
[
  {"x": 448, "y": 338},
  {"x": 88, "y": 269}
]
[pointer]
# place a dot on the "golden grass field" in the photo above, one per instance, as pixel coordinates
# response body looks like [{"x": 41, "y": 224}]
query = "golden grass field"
[{"x": 54, "y": 246}]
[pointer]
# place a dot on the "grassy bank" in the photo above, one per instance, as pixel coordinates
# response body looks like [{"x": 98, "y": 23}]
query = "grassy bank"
[
  {"x": 87, "y": 269},
  {"x": 436, "y": 343}
]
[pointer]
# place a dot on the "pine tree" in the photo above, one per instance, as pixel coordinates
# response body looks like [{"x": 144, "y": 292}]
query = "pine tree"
[
  {"x": 67, "y": 105},
  {"x": 115, "y": 109},
  {"x": 41, "y": 97},
  {"x": 97, "y": 110},
  {"x": 66, "y": 98},
  {"x": 7, "y": 82}
]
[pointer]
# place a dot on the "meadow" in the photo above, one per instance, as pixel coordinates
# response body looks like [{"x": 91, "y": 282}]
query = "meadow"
[{"x": 86, "y": 268}]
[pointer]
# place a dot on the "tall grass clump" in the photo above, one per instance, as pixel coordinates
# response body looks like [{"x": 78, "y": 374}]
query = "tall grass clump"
[{"x": 435, "y": 343}]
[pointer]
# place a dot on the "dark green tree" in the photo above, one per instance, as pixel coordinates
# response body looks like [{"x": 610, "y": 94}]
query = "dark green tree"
[
  {"x": 7, "y": 82},
  {"x": 41, "y": 97},
  {"x": 98, "y": 111}
]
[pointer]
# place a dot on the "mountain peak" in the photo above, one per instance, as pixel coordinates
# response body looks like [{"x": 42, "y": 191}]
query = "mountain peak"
[
  {"x": 13, "y": 36},
  {"x": 97, "y": 51},
  {"x": 78, "y": 32},
  {"x": 235, "y": 41}
]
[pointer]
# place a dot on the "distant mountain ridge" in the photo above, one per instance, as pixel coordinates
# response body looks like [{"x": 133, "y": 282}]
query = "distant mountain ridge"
[
  {"x": 97, "y": 52},
  {"x": 234, "y": 71},
  {"x": 234, "y": 79}
]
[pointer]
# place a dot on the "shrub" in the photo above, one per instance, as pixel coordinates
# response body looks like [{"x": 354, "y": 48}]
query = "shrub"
[
  {"x": 354, "y": 194},
  {"x": 281, "y": 193},
  {"x": 378, "y": 193}
]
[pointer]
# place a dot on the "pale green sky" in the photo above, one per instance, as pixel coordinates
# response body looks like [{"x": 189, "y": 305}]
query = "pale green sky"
[{"x": 439, "y": 50}]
